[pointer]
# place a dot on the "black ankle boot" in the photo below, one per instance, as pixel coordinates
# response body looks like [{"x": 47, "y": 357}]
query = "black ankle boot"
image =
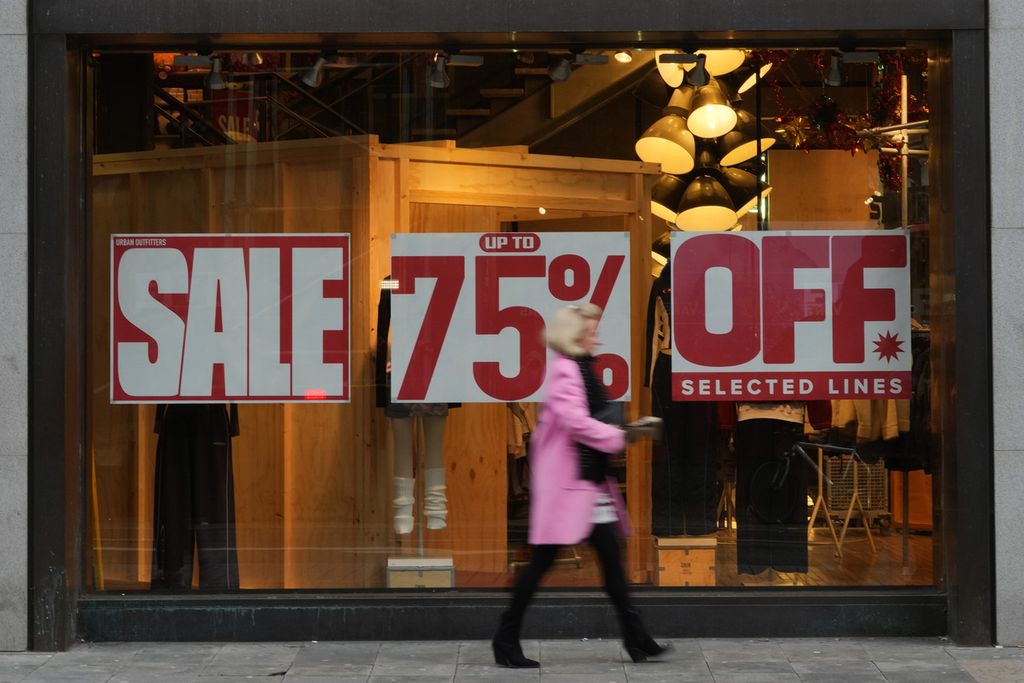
[
  {"x": 507, "y": 650},
  {"x": 638, "y": 642}
]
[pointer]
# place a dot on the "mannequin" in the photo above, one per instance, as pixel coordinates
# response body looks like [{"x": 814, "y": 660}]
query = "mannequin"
[
  {"x": 683, "y": 491},
  {"x": 402, "y": 415},
  {"x": 194, "y": 499}
]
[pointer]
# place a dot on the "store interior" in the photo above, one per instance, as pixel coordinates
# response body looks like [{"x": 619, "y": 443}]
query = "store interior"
[{"x": 533, "y": 139}]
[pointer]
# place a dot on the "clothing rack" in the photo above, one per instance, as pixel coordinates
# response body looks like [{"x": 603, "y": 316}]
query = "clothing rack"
[{"x": 855, "y": 501}]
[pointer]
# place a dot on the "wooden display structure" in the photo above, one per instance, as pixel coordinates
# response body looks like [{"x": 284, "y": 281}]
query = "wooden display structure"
[{"x": 313, "y": 482}]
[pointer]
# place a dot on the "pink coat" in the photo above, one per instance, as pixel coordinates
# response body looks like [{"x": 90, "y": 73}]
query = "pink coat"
[{"x": 561, "y": 504}]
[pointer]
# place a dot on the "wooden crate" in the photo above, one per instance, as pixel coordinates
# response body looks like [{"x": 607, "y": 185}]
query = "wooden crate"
[
  {"x": 685, "y": 561},
  {"x": 421, "y": 572}
]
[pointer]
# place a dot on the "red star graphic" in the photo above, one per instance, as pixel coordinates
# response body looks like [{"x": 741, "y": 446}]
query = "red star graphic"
[{"x": 888, "y": 346}]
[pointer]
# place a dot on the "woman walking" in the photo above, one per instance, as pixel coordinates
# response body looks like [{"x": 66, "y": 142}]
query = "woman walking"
[{"x": 572, "y": 498}]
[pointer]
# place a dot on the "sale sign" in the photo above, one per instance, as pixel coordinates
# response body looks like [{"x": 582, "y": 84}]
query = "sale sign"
[
  {"x": 203, "y": 318},
  {"x": 469, "y": 311},
  {"x": 780, "y": 316}
]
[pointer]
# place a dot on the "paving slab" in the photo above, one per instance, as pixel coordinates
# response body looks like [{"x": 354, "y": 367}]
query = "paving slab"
[{"x": 693, "y": 660}]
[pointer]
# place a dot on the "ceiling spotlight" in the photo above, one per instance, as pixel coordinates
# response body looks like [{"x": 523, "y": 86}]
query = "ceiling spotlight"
[
  {"x": 681, "y": 101},
  {"x": 666, "y": 195},
  {"x": 835, "y": 73},
  {"x": 560, "y": 70},
  {"x": 705, "y": 207},
  {"x": 668, "y": 142},
  {"x": 623, "y": 56},
  {"x": 742, "y": 189},
  {"x": 741, "y": 143},
  {"x": 698, "y": 75},
  {"x": 744, "y": 79},
  {"x": 215, "y": 81},
  {"x": 721, "y": 62},
  {"x": 663, "y": 243},
  {"x": 314, "y": 75},
  {"x": 438, "y": 75},
  {"x": 673, "y": 64},
  {"x": 710, "y": 114}
]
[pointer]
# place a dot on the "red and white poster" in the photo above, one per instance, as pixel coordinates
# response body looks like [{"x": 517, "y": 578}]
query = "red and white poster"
[
  {"x": 203, "y": 318},
  {"x": 771, "y": 316},
  {"x": 469, "y": 311}
]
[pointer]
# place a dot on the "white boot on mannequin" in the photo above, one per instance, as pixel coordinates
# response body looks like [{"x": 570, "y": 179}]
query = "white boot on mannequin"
[
  {"x": 403, "y": 502},
  {"x": 435, "y": 502},
  {"x": 405, "y": 483}
]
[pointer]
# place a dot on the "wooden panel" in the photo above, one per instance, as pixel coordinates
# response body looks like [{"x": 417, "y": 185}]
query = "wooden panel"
[
  {"x": 245, "y": 199},
  {"x": 172, "y": 202},
  {"x": 434, "y": 218},
  {"x": 371, "y": 465},
  {"x": 326, "y": 445},
  {"x": 920, "y": 500},
  {"x": 112, "y": 430},
  {"x": 821, "y": 189},
  {"x": 487, "y": 157},
  {"x": 474, "y": 444},
  {"x": 535, "y": 184},
  {"x": 577, "y": 224},
  {"x": 323, "y": 150},
  {"x": 639, "y": 556}
]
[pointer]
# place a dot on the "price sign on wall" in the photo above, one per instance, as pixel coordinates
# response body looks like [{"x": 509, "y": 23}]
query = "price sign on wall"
[
  {"x": 469, "y": 311},
  {"x": 244, "y": 318},
  {"x": 789, "y": 316}
]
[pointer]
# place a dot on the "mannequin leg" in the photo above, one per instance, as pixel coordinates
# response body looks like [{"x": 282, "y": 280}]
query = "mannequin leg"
[
  {"x": 173, "y": 540},
  {"x": 213, "y": 501},
  {"x": 435, "y": 503},
  {"x": 404, "y": 483}
]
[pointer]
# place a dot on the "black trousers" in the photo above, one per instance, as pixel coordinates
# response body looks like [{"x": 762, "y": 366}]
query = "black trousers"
[
  {"x": 771, "y": 497},
  {"x": 606, "y": 544},
  {"x": 684, "y": 495},
  {"x": 194, "y": 505}
]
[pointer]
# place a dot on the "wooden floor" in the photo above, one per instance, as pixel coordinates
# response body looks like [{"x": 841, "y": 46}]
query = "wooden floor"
[{"x": 858, "y": 566}]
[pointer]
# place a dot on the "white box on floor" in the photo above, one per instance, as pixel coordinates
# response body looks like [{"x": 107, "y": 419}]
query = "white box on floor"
[{"x": 420, "y": 572}]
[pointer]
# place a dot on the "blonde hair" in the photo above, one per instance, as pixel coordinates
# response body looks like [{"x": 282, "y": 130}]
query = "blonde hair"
[{"x": 567, "y": 327}]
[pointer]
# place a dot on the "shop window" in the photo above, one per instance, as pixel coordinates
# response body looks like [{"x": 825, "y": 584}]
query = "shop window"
[{"x": 411, "y": 153}]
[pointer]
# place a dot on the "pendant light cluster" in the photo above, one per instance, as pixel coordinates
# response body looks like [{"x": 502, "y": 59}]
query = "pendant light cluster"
[{"x": 702, "y": 139}]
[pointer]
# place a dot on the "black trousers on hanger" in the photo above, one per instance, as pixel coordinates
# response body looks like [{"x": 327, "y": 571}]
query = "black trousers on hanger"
[
  {"x": 684, "y": 496},
  {"x": 771, "y": 497},
  {"x": 194, "y": 505}
]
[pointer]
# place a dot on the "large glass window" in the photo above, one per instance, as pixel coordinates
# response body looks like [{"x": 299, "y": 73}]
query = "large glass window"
[{"x": 574, "y": 147}]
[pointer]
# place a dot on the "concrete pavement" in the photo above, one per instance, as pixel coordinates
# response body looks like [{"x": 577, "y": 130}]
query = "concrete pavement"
[{"x": 711, "y": 660}]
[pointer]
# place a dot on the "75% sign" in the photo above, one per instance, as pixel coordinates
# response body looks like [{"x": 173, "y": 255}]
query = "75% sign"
[{"x": 469, "y": 311}]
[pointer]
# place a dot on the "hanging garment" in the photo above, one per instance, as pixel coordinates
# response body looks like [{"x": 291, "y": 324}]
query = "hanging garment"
[
  {"x": 684, "y": 493},
  {"x": 194, "y": 502},
  {"x": 771, "y": 497}
]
